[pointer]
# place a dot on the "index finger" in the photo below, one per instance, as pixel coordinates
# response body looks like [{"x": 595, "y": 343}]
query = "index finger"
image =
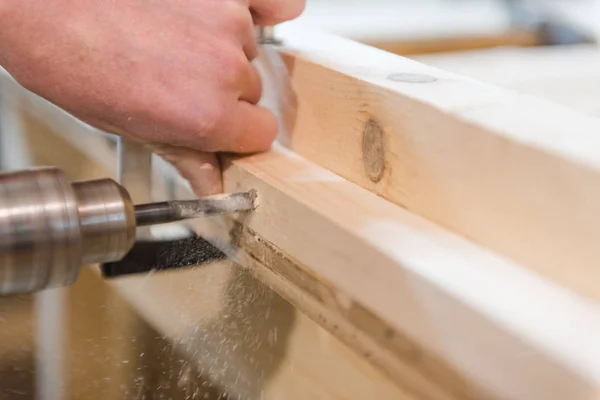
[
  {"x": 273, "y": 12},
  {"x": 250, "y": 128}
]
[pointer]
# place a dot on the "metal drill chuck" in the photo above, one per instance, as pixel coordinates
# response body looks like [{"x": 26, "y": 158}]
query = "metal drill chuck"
[{"x": 50, "y": 227}]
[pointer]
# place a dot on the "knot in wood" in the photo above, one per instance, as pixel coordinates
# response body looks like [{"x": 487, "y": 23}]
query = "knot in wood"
[{"x": 373, "y": 150}]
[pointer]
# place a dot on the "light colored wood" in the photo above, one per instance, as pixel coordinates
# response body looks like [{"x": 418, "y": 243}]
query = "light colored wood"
[
  {"x": 442, "y": 299},
  {"x": 566, "y": 75},
  {"x": 517, "y": 174},
  {"x": 441, "y": 45}
]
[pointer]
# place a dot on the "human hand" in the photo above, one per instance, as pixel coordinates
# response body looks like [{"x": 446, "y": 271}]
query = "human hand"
[{"x": 176, "y": 75}]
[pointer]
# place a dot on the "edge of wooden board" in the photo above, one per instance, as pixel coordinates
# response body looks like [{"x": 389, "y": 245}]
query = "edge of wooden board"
[
  {"x": 515, "y": 173},
  {"x": 486, "y": 317}
]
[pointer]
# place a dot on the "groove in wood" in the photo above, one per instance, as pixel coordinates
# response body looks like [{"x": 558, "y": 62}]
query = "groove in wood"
[{"x": 382, "y": 339}]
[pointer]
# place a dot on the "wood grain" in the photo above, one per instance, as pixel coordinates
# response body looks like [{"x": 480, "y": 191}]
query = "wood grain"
[
  {"x": 437, "y": 313},
  {"x": 566, "y": 75},
  {"x": 515, "y": 173}
]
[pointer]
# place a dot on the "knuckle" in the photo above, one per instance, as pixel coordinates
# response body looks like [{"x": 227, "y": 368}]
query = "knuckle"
[
  {"x": 278, "y": 11},
  {"x": 239, "y": 64},
  {"x": 237, "y": 18},
  {"x": 297, "y": 8},
  {"x": 235, "y": 64}
]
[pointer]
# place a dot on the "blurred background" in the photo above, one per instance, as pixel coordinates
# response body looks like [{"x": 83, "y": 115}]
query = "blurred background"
[
  {"x": 425, "y": 26},
  {"x": 101, "y": 344}
]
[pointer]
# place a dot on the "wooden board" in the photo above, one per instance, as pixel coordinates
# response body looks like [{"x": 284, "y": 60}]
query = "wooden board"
[
  {"x": 418, "y": 301},
  {"x": 515, "y": 173},
  {"x": 566, "y": 75},
  {"x": 442, "y": 45}
]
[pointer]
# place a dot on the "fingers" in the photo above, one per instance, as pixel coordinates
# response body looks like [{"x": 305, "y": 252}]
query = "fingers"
[
  {"x": 251, "y": 87},
  {"x": 250, "y": 129},
  {"x": 249, "y": 42},
  {"x": 272, "y": 12},
  {"x": 200, "y": 169},
  {"x": 233, "y": 17},
  {"x": 251, "y": 46}
]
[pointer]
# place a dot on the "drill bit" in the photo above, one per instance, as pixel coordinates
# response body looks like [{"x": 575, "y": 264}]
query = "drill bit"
[{"x": 171, "y": 211}]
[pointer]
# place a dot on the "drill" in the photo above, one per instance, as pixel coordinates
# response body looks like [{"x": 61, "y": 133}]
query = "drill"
[{"x": 50, "y": 227}]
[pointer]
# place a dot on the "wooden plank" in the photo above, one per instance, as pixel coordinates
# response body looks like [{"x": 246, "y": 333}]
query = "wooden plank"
[
  {"x": 440, "y": 45},
  {"x": 567, "y": 75},
  {"x": 419, "y": 301},
  {"x": 514, "y": 173}
]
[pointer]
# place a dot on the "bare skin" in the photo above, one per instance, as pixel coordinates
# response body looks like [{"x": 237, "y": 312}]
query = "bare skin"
[{"x": 174, "y": 74}]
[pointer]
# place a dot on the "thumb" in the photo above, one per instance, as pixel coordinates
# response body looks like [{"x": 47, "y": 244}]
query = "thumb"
[
  {"x": 200, "y": 169},
  {"x": 273, "y": 12}
]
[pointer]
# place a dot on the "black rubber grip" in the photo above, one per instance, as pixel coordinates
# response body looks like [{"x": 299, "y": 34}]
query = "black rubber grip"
[{"x": 146, "y": 256}]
